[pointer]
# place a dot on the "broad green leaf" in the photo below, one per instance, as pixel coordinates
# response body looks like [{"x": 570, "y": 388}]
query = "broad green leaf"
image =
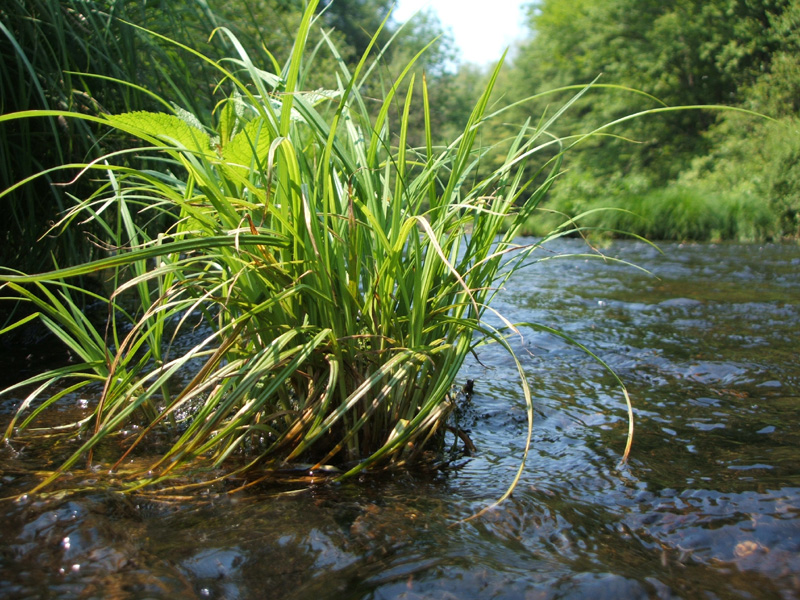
[
  {"x": 167, "y": 128},
  {"x": 250, "y": 147}
]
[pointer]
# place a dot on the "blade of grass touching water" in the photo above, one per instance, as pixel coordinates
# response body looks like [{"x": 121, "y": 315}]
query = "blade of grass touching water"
[{"x": 337, "y": 276}]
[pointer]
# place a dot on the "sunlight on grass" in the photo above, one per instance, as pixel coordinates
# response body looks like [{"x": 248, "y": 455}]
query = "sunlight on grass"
[{"x": 332, "y": 278}]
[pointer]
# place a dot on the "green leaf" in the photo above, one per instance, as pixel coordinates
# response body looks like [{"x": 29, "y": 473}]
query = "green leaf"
[
  {"x": 169, "y": 129},
  {"x": 250, "y": 147}
]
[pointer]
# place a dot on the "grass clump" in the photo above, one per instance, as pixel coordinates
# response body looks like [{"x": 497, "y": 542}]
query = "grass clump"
[{"x": 332, "y": 279}]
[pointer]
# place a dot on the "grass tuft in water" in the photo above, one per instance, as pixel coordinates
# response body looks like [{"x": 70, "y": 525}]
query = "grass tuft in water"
[{"x": 331, "y": 279}]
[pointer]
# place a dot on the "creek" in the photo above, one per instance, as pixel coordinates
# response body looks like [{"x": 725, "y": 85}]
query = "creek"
[{"x": 708, "y": 505}]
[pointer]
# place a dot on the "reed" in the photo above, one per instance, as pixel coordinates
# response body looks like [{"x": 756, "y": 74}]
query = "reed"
[{"x": 71, "y": 55}]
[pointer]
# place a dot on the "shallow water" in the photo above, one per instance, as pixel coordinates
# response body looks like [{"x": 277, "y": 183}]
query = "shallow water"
[{"x": 707, "y": 507}]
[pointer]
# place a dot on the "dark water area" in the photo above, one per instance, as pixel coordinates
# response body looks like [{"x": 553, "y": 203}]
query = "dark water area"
[{"x": 707, "y": 507}]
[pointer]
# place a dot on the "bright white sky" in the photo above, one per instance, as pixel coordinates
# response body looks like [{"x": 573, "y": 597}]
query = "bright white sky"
[{"x": 482, "y": 29}]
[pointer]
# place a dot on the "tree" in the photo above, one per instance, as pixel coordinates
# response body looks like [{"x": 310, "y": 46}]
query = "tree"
[
  {"x": 686, "y": 52},
  {"x": 356, "y": 20}
]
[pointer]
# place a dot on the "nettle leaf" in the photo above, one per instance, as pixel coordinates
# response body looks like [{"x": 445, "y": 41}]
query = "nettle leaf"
[
  {"x": 319, "y": 96},
  {"x": 187, "y": 117},
  {"x": 250, "y": 147},
  {"x": 314, "y": 98},
  {"x": 227, "y": 122},
  {"x": 165, "y": 128},
  {"x": 231, "y": 113}
]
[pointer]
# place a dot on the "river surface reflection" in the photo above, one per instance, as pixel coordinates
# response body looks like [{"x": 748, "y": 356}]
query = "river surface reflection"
[{"x": 707, "y": 507}]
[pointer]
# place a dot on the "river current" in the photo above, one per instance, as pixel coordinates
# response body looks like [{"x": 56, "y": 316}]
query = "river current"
[{"x": 705, "y": 338}]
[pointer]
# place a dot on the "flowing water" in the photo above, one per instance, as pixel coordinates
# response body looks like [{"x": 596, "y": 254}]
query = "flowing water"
[{"x": 707, "y": 507}]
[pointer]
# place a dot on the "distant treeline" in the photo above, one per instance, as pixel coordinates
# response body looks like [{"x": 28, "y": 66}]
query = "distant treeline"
[{"x": 673, "y": 166}]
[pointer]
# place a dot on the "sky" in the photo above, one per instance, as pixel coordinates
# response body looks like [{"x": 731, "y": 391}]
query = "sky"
[{"x": 482, "y": 29}]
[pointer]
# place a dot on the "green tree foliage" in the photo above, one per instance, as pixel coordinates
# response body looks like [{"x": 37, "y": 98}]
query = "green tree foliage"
[
  {"x": 688, "y": 52},
  {"x": 357, "y": 21}
]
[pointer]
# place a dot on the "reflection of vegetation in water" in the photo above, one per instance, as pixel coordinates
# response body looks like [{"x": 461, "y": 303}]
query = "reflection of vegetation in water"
[{"x": 341, "y": 274}]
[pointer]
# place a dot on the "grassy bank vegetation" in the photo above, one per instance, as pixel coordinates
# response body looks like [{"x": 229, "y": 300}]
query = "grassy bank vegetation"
[
  {"x": 71, "y": 55},
  {"x": 84, "y": 56},
  {"x": 673, "y": 213}
]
